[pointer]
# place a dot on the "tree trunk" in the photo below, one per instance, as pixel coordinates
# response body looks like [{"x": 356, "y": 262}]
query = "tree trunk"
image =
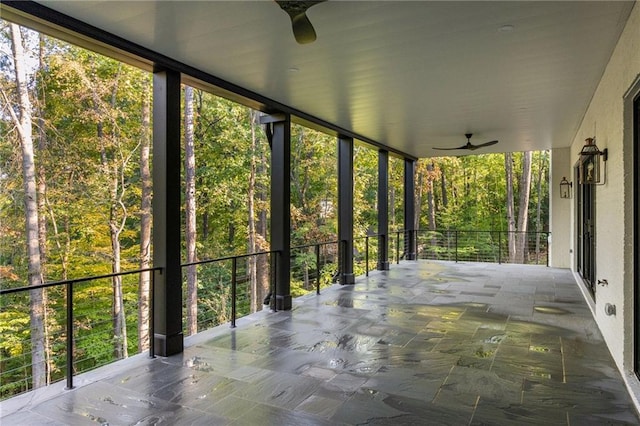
[
  {"x": 430, "y": 197},
  {"x": 144, "y": 286},
  {"x": 200, "y": 138},
  {"x": 36, "y": 297},
  {"x": 523, "y": 208},
  {"x": 443, "y": 186},
  {"x": 539, "y": 203},
  {"x": 252, "y": 246},
  {"x": 41, "y": 169},
  {"x": 392, "y": 208},
  {"x": 119, "y": 323},
  {"x": 511, "y": 221},
  {"x": 190, "y": 212},
  {"x": 262, "y": 276},
  {"x": 42, "y": 199},
  {"x": 417, "y": 202}
]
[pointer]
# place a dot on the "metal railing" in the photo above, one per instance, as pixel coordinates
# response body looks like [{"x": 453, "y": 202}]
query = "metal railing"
[
  {"x": 314, "y": 263},
  {"x": 484, "y": 246},
  {"x": 370, "y": 256},
  {"x": 73, "y": 333},
  {"x": 225, "y": 288}
]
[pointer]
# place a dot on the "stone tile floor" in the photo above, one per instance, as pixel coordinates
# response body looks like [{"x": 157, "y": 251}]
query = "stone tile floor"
[{"x": 427, "y": 343}]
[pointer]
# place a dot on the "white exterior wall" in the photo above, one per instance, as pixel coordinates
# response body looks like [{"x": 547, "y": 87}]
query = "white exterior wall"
[
  {"x": 560, "y": 211},
  {"x": 608, "y": 119}
]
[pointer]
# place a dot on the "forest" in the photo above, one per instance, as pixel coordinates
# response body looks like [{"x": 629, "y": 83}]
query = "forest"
[{"x": 76, "y": 162}]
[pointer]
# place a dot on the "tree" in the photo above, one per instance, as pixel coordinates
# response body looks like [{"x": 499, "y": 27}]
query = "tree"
[
  {"x": 23, "y": 123},
  {"x": 523, "y": 208},
  {"x": 144, "y": 283},
  {"x": 313, "y": 195},
  {"x": 431, "y": 177},
  {"x": 102, "y": 140},
  {"x": 541, "y": 172},
  {"x": 252, "y": 243},
  {"x": 190, "y": 212},
  {"x": 511, "y": 220},
  {"x": 262, "y": 217}
]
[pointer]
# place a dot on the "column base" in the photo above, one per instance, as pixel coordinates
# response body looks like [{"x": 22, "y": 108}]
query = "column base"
[
  {"x": 347, "y": 279},
  {"x": 383, "y": 266},
  {"x": 168, "y": 345},
  {"x": 411, "y": 256},
  {"x": 284, "y": 303}
]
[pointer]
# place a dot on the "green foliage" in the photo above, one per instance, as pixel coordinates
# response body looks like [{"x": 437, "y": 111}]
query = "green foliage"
[
  {"x": 14, "y": 328},
  {"x": 475, "y": 191}
]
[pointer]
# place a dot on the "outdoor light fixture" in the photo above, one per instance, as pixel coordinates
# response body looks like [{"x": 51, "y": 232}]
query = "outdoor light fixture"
[
  {"x": 590, "y": 159},
  {"x": 565, "y": 188}
]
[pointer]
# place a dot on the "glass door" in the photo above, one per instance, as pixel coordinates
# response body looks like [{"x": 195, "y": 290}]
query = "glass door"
[{"x": 586, "y": 234}]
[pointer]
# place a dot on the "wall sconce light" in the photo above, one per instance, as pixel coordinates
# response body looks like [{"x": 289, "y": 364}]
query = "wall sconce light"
[
  {"x": 590, "y": 163},
  {"x": 565, "y": 188}
]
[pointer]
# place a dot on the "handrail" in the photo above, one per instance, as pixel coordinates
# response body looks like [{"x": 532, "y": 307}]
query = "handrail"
[
  {"x": 221, "y": 259},
  {"x": 477, "y": 231},
  {"x": 324, "y": 243},
  {"x": 69, "y": 283},
  {"x": 47, "y": 284}
]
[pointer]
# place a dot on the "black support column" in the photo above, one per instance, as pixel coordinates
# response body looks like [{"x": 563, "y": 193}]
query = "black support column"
[
  {"x": 345, "y": 209},
  {"x": 383, "y": 210},
  {"x": 167, "y": 296},
  {"x": 279, "y": 131},
  {"x": 409, "y": 209}
]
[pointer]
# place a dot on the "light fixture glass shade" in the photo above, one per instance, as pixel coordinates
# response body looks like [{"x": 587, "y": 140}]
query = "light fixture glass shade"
[
  {"x": 565, "y": 188},
  {"x": 590, "y": 159}
]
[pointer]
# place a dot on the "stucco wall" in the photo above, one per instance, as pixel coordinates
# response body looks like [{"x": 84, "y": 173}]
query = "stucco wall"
[{"x": 605, "y": 119}]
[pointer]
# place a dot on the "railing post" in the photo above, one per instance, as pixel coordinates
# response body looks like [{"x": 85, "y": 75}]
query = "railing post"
[
  {"x": 456, "y": 244},
  {"x": 317, "y": 268},
  {"x": 383, "y": 252},
  {"x": 152, "y": 329},
  {"x": 499, "y": 247},
  {"x": 398, "y": 247},
  {"x": 274, "y": 263},
  {"x": 343, "y": 249},
  {"x": 366, "y": 255},
  {"x": 234, "y": 264},
  {"x": 70, "y": 335}
]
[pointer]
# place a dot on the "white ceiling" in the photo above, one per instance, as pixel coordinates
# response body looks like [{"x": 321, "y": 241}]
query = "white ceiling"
[{"x": 411, "y": 75}]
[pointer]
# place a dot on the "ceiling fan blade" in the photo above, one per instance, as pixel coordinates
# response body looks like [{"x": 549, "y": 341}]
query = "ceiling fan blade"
[
  {"x": 303, "y": 30},
  {"x": 469, "y": 145},
  {"x": 451, "y": 149},
  {"x": 482, "y": 145}
]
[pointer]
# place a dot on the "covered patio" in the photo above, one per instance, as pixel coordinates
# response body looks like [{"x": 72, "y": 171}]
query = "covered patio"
[
  {"x": 423, "y": 342},
  {"x": 426, "y": 342}
]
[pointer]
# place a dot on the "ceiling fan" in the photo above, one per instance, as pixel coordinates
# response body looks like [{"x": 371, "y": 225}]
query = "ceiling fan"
[
  {"x": 469, "y": 145},
  {"x": 297, "y": 10}
]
